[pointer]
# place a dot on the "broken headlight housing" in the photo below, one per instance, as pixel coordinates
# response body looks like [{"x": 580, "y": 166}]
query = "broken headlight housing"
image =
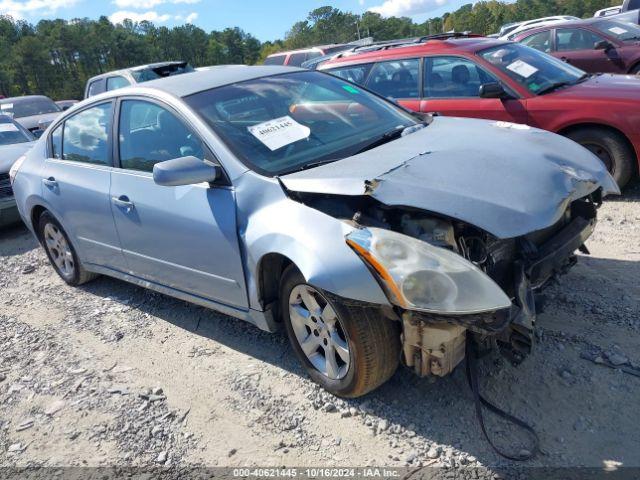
[{"x": 419, "y": 276}]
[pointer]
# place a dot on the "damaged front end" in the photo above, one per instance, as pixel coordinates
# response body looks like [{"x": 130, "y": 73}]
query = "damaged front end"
[{"x": 447, "y": 279}]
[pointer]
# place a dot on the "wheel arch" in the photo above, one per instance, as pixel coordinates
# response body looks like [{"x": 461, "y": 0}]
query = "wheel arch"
[
  {"x": 270, "y": 269},
  {"x": 36, "y": 211},
  {"x": 567, "y": 129}
]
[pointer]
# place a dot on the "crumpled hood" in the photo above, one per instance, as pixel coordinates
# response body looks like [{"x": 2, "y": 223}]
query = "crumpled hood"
[
  {"x": 10, "y": 153},
  {"x": 505, "y": 179}
]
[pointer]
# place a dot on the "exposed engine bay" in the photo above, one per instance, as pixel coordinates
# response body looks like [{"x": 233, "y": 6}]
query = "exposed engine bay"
[{"x": 434, "y": 344}]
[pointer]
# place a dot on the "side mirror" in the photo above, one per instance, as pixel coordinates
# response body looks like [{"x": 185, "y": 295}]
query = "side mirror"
[
  {"x": 184, "y": 171},
  {"x": 493, "y": 90},
  {"x": 603, "y": 45}
]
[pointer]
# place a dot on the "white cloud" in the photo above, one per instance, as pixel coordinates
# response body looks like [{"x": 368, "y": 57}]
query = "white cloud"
[
  {"x": 192, "y": 17},
  {"x": 18, "y": 9},
  {"x": 146, "y": 4},
  {"x": 407, "y": 8},
  {"x": 150, "y": 16}
]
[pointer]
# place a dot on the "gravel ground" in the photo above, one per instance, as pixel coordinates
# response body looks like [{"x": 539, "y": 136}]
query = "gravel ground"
[{"x": 113, "y": 375}]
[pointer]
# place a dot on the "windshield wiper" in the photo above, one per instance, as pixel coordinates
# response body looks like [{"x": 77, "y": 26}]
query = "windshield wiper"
[
  {"x": 555, "y": 86},
  {"x": 384, "y": 138}
]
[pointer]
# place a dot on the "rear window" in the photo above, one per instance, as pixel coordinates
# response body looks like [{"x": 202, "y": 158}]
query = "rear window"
[
  {"x": 148, "y": 74},
  {"x": 275, "y": 60},
  {"x": 96, "y": 87},
  {"x": 28, "y": 107}
]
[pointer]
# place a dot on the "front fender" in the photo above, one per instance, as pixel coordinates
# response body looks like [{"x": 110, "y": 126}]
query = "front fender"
[{"x": 271, "y": 223}]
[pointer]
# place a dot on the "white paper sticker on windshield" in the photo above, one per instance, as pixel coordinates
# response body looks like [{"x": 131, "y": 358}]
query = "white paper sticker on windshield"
[
  {"x": 522, "y": 68},
  {"x": 618, "y": 30},
  {"x": 8, "y": 127},
  {"x": 6, "y": 106},
  {"x": 280, "y": 132}
]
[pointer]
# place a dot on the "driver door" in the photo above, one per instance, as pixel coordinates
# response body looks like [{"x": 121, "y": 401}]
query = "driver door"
[
  {"x": 452, "y": 88},
  {"x": 182, "y": 237}
]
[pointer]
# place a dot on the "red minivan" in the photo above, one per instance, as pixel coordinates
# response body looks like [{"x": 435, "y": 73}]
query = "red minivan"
[
  {"x": 596, "y": 45},
  {"x": 472, "y": 76}
]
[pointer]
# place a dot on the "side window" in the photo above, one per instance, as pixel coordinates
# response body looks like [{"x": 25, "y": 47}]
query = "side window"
[
  {"x": 454, "y": 77},
  {"x": 96, "y": 87},
  {"x": 56, "y": 142},
  {"x": 149, "y": 134},
  {"x": 113, "y": 83},
  {"x": 297, "y": 59},
  {"x": 275, "y": 60},
  {"x": 396, "y": 79},
  {"x": 568, "y": 39},
  {"x": 86, "y": 135},
  {"x": 355, "y": 73},
  {"x": 540, "y": 41}
]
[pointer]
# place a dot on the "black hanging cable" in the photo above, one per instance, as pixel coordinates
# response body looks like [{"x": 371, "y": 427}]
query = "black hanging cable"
[{"x": 480, "y": 401}]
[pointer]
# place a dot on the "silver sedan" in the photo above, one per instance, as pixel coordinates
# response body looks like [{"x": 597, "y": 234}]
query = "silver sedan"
[{"x": 292, "y": 198}]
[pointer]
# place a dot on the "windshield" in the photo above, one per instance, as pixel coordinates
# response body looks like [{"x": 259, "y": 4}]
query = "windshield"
[
  {"x": 28, "y": 107},
  {"x": 287, "y": 122},
  {"x": 10, "y": 133},
  {"x": 536, "y": 71},
  {"x": 148, "y": 74},
  {"x": 619, "y": 30}
]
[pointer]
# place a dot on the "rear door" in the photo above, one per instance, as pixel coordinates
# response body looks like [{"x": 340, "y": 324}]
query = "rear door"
[
  {"x": 398, "y": 80},
  {"x": 452, "y": 88},
  {"x": 182, "y": 237},
  {"x": 76, "y": 182},
  {"x": 576, "y": 47}
]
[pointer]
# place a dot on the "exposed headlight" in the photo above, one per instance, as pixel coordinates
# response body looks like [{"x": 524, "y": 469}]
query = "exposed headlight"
[
  {"x": 420, "y": 276},
  {"x": 13, "y": 171}
]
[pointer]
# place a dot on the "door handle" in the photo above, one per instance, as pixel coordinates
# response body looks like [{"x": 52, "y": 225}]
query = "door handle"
[
  {"x": 50, "y": 182},
  {"x": 123, "y": 202}
]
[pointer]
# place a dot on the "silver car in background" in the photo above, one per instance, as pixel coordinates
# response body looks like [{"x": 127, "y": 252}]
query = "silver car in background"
[
  {"x": 284, "y": 196},
  {"x": 33, "y": 112},
  {"x": 15, "y": 141}
]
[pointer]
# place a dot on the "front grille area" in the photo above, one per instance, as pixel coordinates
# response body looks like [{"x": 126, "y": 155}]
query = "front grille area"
[{"x": 5, "y": 186}]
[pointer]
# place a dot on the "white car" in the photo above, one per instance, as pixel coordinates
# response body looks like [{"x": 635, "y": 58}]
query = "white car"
[
  {"x": 606, "y": 12},
  {"x": 539, "y": 22}
]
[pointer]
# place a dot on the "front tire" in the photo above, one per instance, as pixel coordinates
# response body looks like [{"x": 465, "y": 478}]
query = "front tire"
[
  {"x": 60, "y": 251},
  {"x": 349, "y": 350},
  {"x": 611, "y": 148}
]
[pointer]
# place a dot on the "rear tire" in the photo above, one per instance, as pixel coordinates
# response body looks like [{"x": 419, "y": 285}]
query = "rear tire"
[
  {"x": 635, "y": 70},
  {"x": 611, "y": 147},
  {"x": 60, "y": 251},
  {"x": 372, "y": 341}
]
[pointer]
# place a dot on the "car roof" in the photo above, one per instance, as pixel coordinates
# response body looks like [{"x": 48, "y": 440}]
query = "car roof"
[
  {"x": 569, "y": 23},
  {"x": 24, "y": 98},
  {"x": 314, "y": 48},
  {"x": 136, "y": 68},
  {"x": 448, "y": 45},
  {"x": 214, "y": 77}
]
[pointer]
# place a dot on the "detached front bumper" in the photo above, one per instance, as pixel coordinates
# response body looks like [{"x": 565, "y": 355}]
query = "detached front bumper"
[{"x": 434, "y": 344}]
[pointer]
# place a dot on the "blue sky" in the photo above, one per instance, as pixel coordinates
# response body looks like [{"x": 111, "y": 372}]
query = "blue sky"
[{"x": 267, "y": 20}]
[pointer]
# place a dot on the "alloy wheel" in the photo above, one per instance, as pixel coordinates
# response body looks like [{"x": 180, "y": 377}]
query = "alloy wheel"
[
  {"x": 319, "y": 332},
  {"x": 59, "y": 249}
]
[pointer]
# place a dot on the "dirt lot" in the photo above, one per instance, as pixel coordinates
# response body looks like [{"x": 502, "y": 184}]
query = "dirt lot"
[{"x": 112, "y": 374}]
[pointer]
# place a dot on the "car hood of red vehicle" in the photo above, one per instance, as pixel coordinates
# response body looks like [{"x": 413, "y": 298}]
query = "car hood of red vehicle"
[
  {"x": 509, "y": 180},
  {"x": 603, "y": 87}
]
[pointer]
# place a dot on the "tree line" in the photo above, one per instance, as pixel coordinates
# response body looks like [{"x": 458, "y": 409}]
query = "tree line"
[{"x": 56, "y": 57}]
